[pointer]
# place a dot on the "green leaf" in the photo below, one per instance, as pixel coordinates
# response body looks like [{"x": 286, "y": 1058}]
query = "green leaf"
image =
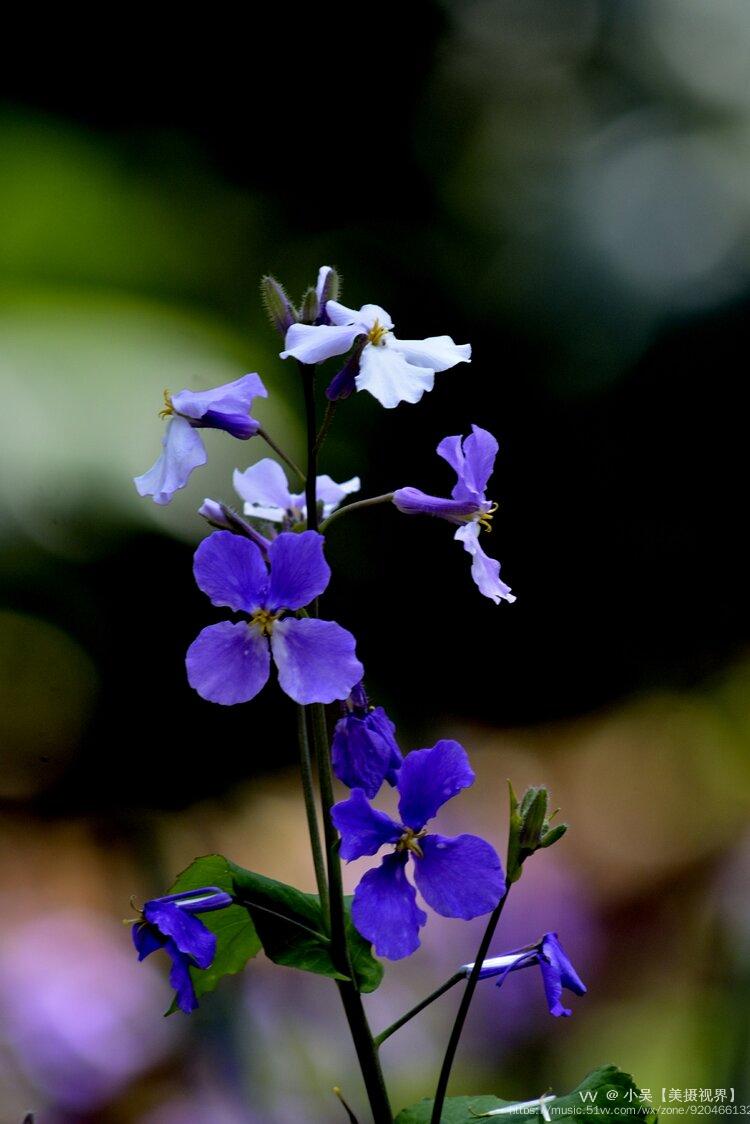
[
  {"x": 368, "y": 972},
  {"x": 237, "y": 941},
  {"x": 599, "y": 1094}
]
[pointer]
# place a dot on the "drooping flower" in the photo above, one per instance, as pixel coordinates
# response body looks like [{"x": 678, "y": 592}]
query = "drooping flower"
[
  {"x": 266, "y": 493},
  {"x": 364, "y": 751},
  {"x": 459, "y": 876},
  {"x": 557, "y": 970},
  {"x": 170, "y": 923},
  {"x": 229, "y": 662},
  {"x": 224, "y": 518},
  {"x": 393, "y": 370},
  {"x": 473, "y": 460},
  {"x": 225, "y": 407}
]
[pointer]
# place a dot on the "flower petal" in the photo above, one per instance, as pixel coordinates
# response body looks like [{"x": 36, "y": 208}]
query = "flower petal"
[
  {"x": 228, "y": 663},
  {"x": 314, "y": 343},
  {"x": 179, "y": 978},
  {"x": 364, "y": 752},
  {"x": 183, "y": 451},
  {"x": 299, "y": 571},
  {"x": 555, "y": 953},
  {"x": 230, "y": 570},
  {"x": 436, "y": 352},
  {"x": 363, "y": 829},
  {"x": 189, "y": 934},
  {"x": 316, "y": 659},
  {"x": 412, "y": 501},
  {"x": 387, "y": 375},
  {"x": 484, "y": 570},
  {"x": 385, "y": 909},
  {"x": 480, "y": 450},
  {"x": 365, "y": 317},
  {"x": 146, "y": 939},
  {"x": 430, "y": 777},
  {"x": 325, "y": 285},
  {"x": 553, "y": 989},
  {"x": 264, "y": 486},
  {"x": 459, "y": 877},
  {"x": 332, "y": 494},
  {"x": 233, "y": 398}
]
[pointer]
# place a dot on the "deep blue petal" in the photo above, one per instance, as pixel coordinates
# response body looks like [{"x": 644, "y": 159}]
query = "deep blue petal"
[
  {"x": 179, "y": 977},
  {"x": 363, "y": 829},
  {"x": 189, "y": 934},
  {"x": 556, "y": 955},
  {"x": 459, "y": 877},
  {"x": 385, "y": 909},
  {"x": 146, "y": 939},
  {"x": 429, "y": 777},
  {"x": 364, "y": 751}
]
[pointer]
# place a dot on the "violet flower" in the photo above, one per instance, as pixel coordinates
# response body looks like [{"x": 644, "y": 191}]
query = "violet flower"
[
  {"x": 225, "y": 407},
  {"x": 230, "y": 662},
  {"x": 364, "y": 751},
  {"x": 557, "y": 970},
  {"x": 460, "y": 876},
  {"x": 170, "y": 923},
  {"x": 266, "y": 493},
  {"x": 392, "y": 370},
  {"x": 473, "y": 460}
]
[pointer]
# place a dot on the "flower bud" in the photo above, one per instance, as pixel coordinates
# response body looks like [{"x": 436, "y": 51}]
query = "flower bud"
[{"x": 281, "y": 311}]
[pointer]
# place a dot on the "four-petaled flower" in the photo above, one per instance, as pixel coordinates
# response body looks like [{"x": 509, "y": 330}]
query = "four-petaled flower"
[
  {"x": 170, "y": 923},
  {"x": 459, "y": 877},
  {"x": 229, "y": 663},
  {"x": 364, "y": 751},
  {"x": 473, "y": 460},
  {"x": 266, "y": 493},
  {"x": 225, "y": 407},
  {"x": 549, "y": 954},
  {"x": 392, "y": 370}
]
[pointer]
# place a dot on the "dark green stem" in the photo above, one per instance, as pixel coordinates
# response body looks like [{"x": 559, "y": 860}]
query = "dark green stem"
[
  {"x": 463, "y": 1010},
  {"x": 371, "y": 502},
  {"x": 308, "y": 791},
  {"x": 384, "y": 1034},
  {"x": 311, "y": 492},
  {"x": 323, "y": 431},
  {"x": 280, "y": 453}
]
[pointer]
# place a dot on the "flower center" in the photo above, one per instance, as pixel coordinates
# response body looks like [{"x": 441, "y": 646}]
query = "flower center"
[
  {"x": 264, "y": 619},
  {"x": 409, "y": 841},
  {"x": 168, "y": 407},
  {"x": 376, "y": 334},
  {"x": 484, "y": 518}
]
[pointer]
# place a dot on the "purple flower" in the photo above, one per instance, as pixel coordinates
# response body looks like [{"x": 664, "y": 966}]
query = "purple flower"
[
  {"x": 266, "y": 493},
  {"x": 229, "y": 663},
  {"x": 473, "y": 460},
  {"x": 225, "y": 407},
  {"x": 392, "y": 370},
  {"x": 549, "y": 954},
  {"x": 170, "y": 923},
  {"x": 364, "y": 751},
  {"x": 459, "y": 877}
]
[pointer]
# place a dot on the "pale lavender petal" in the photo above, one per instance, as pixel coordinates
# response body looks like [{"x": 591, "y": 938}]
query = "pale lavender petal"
[
  {"x": 484, "y": 570},
  {"x": 451, "y": 450},
  {"x": 385, "y": 909},
  {"x": 316, "y": 660},
  {"x": 314, "y": 343},
  {"x": 299, "y": 571},
  {"x": 264, "y": 486},
  {"x": 363, "y": 829},
  {"x": 480, "y": 450},
  {"x": 436, "y": 352},
  {"x": 386, "y": 374},
  {"x": 228, "y": 663},
  {"x": 332, "y": 494},
  {"x": 365, "y": 317},
  {"x": 231, "y": 571},
  {"x": 430, "y": 777},
  {"x": 460, "y": 876},
  {"x": 412, "y": 501},
  {"x": 183, "y": 451},
  {"x": 233, "y": 398}
]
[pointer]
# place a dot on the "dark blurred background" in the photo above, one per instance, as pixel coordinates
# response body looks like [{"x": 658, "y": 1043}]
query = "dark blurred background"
[{"x": 566, "y": 185}]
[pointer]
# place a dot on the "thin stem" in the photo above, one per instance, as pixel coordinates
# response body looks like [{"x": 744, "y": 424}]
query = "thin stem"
[
  {"x": 280, "y": 453},
  {"x": 323, "y": 431},
  {"x": 311, "y": 496},
  {"x": 335, "y": 882},
  {"x": 371, "y": 502},
  {"x": 463, "y": 1010},
  {"x": 313, "y": 827},
  {"x": 384, "y": 1034}
]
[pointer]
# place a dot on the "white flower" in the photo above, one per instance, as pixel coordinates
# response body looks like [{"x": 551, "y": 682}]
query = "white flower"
[
  {"x": 392, "y": 370},
  {"x": 265, "y": 490}
]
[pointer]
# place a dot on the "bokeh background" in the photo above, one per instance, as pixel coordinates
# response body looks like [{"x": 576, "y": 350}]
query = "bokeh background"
[{"x": 565, "y": 184}]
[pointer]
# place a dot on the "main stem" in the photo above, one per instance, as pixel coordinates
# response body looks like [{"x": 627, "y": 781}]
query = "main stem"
[
  {"x": 463, "y": 1010},
  {"x": 308, "y": 791},
  {"x": 359, "y": 1027}
]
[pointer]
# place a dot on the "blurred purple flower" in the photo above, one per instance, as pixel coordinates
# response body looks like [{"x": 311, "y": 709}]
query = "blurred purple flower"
[
  {"x": 392, "y": 370},
  {"x": 557, "y": 970},
  {"x": 230, "y": 663},
  {"x": 266, "y": 493},
  {"x": 473, "y": 460},
  {"x": 170, "y": 923},
  {"x": 459, "y": 877},
  {"x": 364, "y": 751},
  {"x": 224, "y": 407}
]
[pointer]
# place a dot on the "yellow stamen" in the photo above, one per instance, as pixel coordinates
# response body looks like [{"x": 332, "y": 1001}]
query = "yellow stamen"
[
  {"x": 264, "y": 619},
  {"x": 409, "y": 842},
  {"x": 376, "y": 334},
  {"x": 168, "y": 407},
  {"x": 485, "y": 519}
]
